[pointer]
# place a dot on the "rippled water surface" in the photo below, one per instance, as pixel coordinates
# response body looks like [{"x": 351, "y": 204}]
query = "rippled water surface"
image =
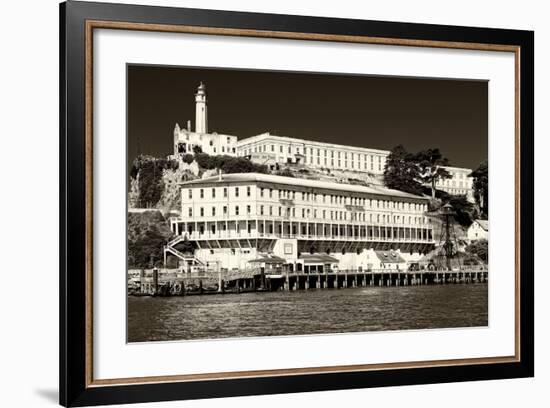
[{"x": 307, "y": 312}]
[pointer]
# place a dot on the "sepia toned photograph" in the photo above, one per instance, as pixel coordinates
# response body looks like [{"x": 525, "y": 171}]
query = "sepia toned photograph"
[{"x": 274, "y": 203}]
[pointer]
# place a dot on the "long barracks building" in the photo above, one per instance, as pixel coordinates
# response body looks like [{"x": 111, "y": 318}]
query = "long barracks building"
[
  {"x": 234, "y": 219},
  {"x": 272, "y": 149}
]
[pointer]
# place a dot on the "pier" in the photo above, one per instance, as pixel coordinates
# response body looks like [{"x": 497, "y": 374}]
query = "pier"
[{"x": 165, "y": 282}]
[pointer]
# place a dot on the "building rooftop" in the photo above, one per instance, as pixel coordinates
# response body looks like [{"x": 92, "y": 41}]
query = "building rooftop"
[
  {"x": 299, "y": 182},
  {"x": 483, "y": 224},
  {"x": 389, "y": 256}
]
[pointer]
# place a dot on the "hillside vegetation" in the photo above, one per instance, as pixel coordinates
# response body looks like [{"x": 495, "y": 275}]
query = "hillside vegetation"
[{"x": 147, "y": 233}]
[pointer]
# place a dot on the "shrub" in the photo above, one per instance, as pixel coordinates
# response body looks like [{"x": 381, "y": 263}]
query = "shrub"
[
  {"x": 229, "y": 164},
  {"x": 286, "y": 173},
  {"x": 188, "y": 158}
]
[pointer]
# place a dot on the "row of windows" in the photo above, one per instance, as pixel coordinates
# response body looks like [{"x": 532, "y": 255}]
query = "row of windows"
[
  {"x": 312, "y": 197},
  {"x": 313, "y": 155},
  {"x": 312, "y": 152},
  {"x": 338, "y": 163},
  {"x": 184, "y": 147},
  {"x": 227, "y": 139},
  {"x": 367, "y": 232},
  {"x": 454, "y": 183},
  {"x": 307, "y": 213}
]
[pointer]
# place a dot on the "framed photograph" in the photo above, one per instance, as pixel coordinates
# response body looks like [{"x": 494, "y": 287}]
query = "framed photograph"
[{"x": 256, "y": 204}]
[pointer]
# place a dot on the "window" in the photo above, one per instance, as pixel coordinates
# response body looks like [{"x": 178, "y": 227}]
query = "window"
[
  {"x": 270, "y": 193},
  {"x": 202, "y": 193},
  {"x": 213, "y": 211},
  {"x": 261, "y": 210},
  {"x": 190, "y": 194},
  {"x": 225, "y": 192},
  {"x": 224, "y": 210},
  {"x": 202, "y": 212},
  {"x": 248, "y": 209},
  {"x": 270, "y": 210},
  {"x": 261, "y": 192},
  {"x": 213, "y": 193},
  {"x": 236, "y": 210},
  {"x": 248, "y": 191},
  {"x": 236, "y": 191},
  {"x": 190, "y": 212}
]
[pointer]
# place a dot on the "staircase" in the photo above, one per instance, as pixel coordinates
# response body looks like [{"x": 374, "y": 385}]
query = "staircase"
[
  {"x": 182, "y": 256},
  {"x": 177, "y": 240}
]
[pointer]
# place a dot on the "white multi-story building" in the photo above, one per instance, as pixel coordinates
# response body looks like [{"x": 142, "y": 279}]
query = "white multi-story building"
[
  {"x": 458, "y": 184},
  {"x": 234, "y": 219},
  {"x": 214, "y": 143},
  {"x": 271, "y": 149}
]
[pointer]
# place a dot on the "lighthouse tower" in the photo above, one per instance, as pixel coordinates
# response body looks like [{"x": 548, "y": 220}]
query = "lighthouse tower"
[{"x": 201, "y": 115}]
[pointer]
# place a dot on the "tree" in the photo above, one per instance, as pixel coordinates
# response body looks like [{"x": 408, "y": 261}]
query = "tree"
[
  {"x": 150, "y": 183},
  {"x": 147, "y": 233},
  {"x": 401, "y": 172},
  {"x": 464, "y": 210},
  {"x": 430, "y": 166},
  {"x": 197, "y": 149},
  {"x": 481, "y": 188},
  {"x": 479, "y": 249}
]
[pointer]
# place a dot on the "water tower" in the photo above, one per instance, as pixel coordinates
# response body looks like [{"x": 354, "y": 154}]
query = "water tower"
[{"x": 447, "y": 253}]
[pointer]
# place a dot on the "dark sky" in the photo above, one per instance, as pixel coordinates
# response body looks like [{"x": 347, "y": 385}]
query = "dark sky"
[{"x": 357, "y": 110}]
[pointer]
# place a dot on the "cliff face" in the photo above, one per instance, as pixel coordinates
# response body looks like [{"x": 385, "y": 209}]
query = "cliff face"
[{"x": 154, "y": 182}]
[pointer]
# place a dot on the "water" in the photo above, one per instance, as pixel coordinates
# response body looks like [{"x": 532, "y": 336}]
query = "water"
[{"x": 307, "y": 312}]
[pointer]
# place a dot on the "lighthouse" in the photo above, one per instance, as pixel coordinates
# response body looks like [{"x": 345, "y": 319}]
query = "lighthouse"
[{"x": 201, "y": 115}]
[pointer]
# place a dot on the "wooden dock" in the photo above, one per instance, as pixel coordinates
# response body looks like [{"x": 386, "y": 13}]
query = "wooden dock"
[{"x": 176, "y": 283}]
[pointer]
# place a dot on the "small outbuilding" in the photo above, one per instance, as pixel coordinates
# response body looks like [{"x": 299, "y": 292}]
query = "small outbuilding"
[
  {"x": 478, "y": 230},
  {"x": 390, "y": 260}
]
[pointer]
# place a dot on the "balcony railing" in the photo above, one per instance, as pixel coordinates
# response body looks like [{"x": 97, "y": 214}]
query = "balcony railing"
[{"x": 208, "y": 235}]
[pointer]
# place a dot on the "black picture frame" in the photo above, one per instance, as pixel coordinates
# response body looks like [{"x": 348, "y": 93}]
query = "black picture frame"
[{"x": 75, "y": 387}]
